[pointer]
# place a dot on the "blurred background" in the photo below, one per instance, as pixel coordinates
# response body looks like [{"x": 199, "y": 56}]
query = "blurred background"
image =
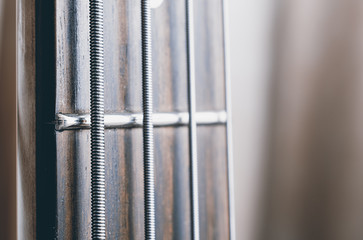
[
  {"x": 297, "y": 94},
  {"x": 7, "y": 119},
  {"x": 297, "y": 114}
]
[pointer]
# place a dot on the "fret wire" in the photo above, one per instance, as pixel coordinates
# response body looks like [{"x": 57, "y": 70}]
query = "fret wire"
[
  {"x": 192, "y": 119},
  {"x": 227, "y": 80},
  {"x": 134, "y": 120},
  {"x": 148, "y": 138}
]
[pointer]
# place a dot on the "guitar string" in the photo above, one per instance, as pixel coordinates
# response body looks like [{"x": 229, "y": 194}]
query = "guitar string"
[
  {"x": 227, "y": 80},
  {"x": 97, "y": 121},
  {"x": 98, "y": 193},
  {"x": 192, "y": 120},
  {"x": 148, "y": 138}
]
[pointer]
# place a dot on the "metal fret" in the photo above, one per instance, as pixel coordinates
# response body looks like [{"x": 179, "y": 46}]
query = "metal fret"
[
  {"x": 135, "y": 120},
  {"x": 229, "y": 122},
  {"x": 192, "y": 119}
]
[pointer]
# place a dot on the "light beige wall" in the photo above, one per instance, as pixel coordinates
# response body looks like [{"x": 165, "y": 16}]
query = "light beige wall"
[
  {"x": 316, "y": 166},
  {"x": 250, "y": 26},
  {"x": 305, "y": 108}
]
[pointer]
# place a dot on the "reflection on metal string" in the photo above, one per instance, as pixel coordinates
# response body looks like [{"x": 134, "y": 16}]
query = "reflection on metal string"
[
  {"x": 98, "y": 182},
  {"x": 192, "y": 119},
  {"x": 131, "y": 120},
  {"x": 229, "y": 123},
  {"x": 148, "y": 134}
]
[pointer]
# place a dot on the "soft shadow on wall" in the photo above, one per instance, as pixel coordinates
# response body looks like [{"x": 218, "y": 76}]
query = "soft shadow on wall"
[{"x": 298, "y": 131}]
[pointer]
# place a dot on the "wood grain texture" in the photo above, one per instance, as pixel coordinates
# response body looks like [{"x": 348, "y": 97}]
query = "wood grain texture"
[
  {"x": 212, "y": 151},
  {"x": 26, "y": 119},
  {"x": 122, "y": 94},
  {"x": 213, "y": 184},
  {"x": 124, "y": 166},
  {"x": 209, "y": 55},
  {"x": 8, "y": 120}
]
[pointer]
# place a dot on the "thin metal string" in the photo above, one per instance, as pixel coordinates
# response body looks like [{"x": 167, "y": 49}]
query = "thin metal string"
[
  {"x": 192, "y": 119},
  {"x": 148, "y": 138},
  {"x": 229, "y": 122},
  {"x": 98, "y": 192}
]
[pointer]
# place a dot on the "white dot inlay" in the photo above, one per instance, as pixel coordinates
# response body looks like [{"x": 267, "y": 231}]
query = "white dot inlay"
[{"x": 156, "y": 3}]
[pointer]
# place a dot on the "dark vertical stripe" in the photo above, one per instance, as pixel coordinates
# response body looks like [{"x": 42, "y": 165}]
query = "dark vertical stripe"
[{"x": 45, "y": 111}]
